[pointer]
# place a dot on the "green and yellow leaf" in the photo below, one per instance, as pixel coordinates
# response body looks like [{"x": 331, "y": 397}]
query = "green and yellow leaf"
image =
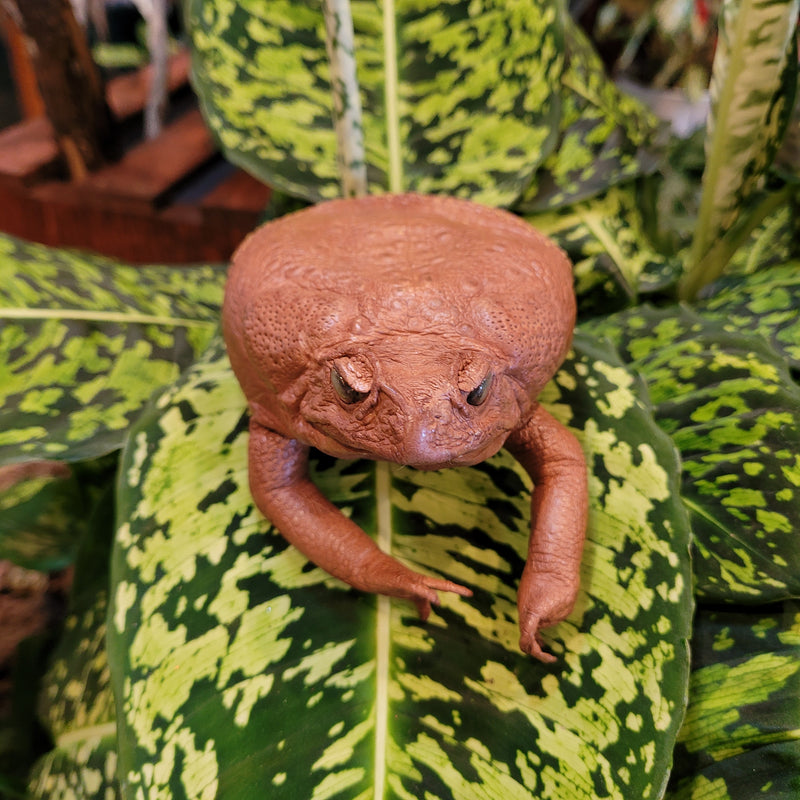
[
  {"x": 76, "y": 703},
  {"x": 457, "y": 97},
  {"x": 752, "y": 94},
  {"x": 85, "y": 340},
  {"x": 733, "y": 410},
  {"x": 765, "y": 303},
  {"x": 613, "y": 260},
  {"x": 606, "y": 136},
  {"x": 241, "y": 669},
  {"x": 741, "y": 736}
]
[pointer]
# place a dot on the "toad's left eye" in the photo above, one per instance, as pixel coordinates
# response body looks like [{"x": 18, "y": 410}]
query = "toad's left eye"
[{"x": 479, "y": 394}]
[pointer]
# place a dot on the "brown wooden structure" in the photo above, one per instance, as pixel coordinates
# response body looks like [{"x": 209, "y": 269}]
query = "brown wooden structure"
[{"x": 169, "y": 200}]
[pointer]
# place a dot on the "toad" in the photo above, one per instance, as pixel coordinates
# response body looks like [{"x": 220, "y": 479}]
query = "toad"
[{"x": 418, "y": 330}]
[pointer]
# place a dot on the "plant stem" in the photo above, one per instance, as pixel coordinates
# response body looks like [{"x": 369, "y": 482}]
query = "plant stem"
[
  {"x": 340, "y": 42},
  {"x": 711, "y": 266}
]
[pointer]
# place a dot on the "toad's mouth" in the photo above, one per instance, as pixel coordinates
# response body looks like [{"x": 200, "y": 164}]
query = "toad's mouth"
[{"x": 428, "y": 449}]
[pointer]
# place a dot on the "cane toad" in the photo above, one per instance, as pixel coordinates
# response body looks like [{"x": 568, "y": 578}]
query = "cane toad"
[{"x": 417, "y": 330}]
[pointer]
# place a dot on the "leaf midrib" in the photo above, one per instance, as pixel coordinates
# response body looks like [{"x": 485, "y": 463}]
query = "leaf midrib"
[
  {"x": 383, "y": 632},
  {"x": 382, "y": 475},
  {"x": 83, "y": 315},
  {"x": 391, "y": 88}
]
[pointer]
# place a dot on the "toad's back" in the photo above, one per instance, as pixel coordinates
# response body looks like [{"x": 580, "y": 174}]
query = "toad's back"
[{"x": 348, "y": 246}]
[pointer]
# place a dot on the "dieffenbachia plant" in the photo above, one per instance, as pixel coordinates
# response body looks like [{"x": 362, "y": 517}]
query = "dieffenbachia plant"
[{"x": 238, "y": 669}]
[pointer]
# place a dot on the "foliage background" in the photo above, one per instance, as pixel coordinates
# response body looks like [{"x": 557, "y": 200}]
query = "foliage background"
[{"x": 182, "y": 634}]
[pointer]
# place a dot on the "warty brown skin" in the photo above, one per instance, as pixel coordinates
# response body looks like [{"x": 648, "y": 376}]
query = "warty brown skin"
[{"x": 418, "y": 330}]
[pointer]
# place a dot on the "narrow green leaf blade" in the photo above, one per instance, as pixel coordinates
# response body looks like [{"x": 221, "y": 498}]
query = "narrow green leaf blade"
[
  {"x": 76, "y": 703},
  {"x": 752, "y": 93},
  {"x": 240, "y": 668}
]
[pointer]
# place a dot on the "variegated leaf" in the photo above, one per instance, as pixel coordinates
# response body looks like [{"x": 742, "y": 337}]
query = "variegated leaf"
[
  {"x": 85, "y": 340},
  {"x": 41, "y": 514},
  {"x": 76, "y": 704},
  {"x": 741, "y": 736},
  {"x": 764, "y": 303},
  {"x": 459, "y": 97},
  {"x": 752, "y": 93},
  {"x": 243, "y": 670},
  {"x": 606, "y": 136},
  {"x": 731, "y": 407},
  {"x": 613, "y": 260},
  {"x": 772, "y": 243},
  {"x": 45, "y": 508},
  {"x": 78, "y": 707}
]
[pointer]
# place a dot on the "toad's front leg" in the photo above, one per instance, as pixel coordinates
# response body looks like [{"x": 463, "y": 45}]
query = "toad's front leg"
[
  {"x": 553, "y": 458},
  {"x": 283, "y": 492}
]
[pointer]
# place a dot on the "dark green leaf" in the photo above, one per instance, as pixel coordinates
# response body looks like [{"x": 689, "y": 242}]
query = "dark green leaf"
[
  {"x": 752, "y": 94},
  {"x": 76, "y": 703},
  {"x": 606, "y": 136},
  {"x": 732, "y": 409},
  {"x": 764, "y": 303},
  {"x": 85, "y": 340},
  {"x": 243, "y": 670},
  {"x": 741, "y": 736},
  {"x": 45, "y": 508},
  {"x": 614, "y": 261}
]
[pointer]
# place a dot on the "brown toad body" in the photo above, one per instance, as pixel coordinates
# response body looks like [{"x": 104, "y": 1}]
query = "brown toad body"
[{"x": 418, "y": 330}]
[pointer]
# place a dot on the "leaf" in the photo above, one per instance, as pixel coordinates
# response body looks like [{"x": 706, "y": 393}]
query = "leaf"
[
  {"x": 242, "y": 669},
  {"x": 763, "y": 303},
  {"x": 752, "y": 89},
  {"x": 76, "y": 703},
  {"x": 85, "y": 340},
  {"x": 733, "y": 411},
  {"x": 741, "y": 736},
  {"x": 606, "y": 136},
  {"x": 79, "y": 709},
  {"x": 613, "y": 260},
  {"x": 45, "y": 507},
  {"x": 446, "y": 91}
]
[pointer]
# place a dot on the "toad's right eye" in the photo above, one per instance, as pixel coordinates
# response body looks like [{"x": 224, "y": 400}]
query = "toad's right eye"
[{"x": 348, "y": 394}]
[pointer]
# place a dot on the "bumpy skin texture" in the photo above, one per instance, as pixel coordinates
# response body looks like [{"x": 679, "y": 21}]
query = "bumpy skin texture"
[{"x": 413, "y": 329}]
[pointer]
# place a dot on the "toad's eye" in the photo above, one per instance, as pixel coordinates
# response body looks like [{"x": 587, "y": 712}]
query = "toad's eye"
[
  {"x": 479, "y": 394},
  {"x": 344, "y": 389}
]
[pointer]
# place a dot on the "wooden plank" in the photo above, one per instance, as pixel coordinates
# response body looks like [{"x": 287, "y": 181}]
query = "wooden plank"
[
  {"x": 147, "y": 172},
  {"x": 28, "y": 152},
  {"x": 127, "y": 94},
  {"x": 56, "y": 215}
]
